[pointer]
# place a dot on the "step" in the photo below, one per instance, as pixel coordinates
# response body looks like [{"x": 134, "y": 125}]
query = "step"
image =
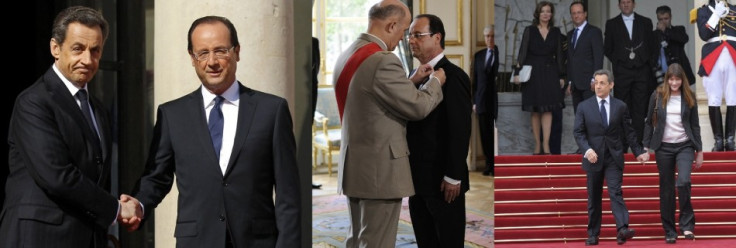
[
  {"x": 525, "y": 171},
  {"x": 700, "y": 190},
  {"x": 607, "y": 218},
  {"x": 582, "y": 206},
  {"x": 607, "y": 230},
  {"x": 628, "y": 157},
  {"x": 581, "y": 181}
]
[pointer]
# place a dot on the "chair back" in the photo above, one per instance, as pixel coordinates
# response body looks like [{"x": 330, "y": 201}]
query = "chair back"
[{"x": 327, "y": 106}]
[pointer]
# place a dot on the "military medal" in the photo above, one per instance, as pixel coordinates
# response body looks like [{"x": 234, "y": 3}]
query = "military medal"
[{"x": 632, "y": 55}]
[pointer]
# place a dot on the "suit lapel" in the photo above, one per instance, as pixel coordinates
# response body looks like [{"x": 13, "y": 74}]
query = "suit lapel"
[
  {"x": 199, "y": 127},
  {"x": 67, "y": 102},
  {"x": 246, "y": 112}
]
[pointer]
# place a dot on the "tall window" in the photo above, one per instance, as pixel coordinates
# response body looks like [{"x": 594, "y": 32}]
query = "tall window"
[{"x": 337, "y": 23}]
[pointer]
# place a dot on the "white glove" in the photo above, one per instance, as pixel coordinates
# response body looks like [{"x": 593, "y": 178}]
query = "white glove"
[{"x": 721, "y": 9}]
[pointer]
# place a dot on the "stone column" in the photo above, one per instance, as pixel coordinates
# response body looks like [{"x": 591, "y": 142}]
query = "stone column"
[{"x": 267, "y": 63}]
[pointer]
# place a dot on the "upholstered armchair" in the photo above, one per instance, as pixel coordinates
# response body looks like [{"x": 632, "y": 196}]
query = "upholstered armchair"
[{"x": 326, "y": 132}]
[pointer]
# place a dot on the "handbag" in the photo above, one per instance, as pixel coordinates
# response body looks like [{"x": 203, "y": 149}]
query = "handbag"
[{"x": 524, "y": 74}]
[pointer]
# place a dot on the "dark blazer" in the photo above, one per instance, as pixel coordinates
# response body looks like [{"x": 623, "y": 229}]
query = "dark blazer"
[
  {"x": 485, "y": 95},
  {"x": 676, "y": 37},
  {"x": 589, "y": 132},
  {"x": 58, "y": 186},
  {"x": 241, "y": 201},
  {"x": 586, "y": 57},
  {"x": 438, "y": 144},
  {"x": 706, "y": 33},
  {"x": 617, "y": 41},
  {"x": 315, "y": 72},
  {"x": 653, "y": 135}
]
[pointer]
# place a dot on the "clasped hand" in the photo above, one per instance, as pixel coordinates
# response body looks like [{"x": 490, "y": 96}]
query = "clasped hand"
[{"x": 131, "y": 213}]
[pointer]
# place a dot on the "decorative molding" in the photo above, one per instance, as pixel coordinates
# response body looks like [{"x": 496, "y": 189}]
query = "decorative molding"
[{"x": 458, "y": 13}]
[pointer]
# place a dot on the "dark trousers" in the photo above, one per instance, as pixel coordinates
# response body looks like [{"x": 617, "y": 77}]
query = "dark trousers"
[
  {"x": 555, "y": 133},
  {"x": 579, "y": 96},
  {"x": 485, "y": 125},
  {"x": 437, "y": 223},
  {"x": 671, "y": 156},
  {"x": 633, "y": 87},
  {"x": 613, "y": 176}
]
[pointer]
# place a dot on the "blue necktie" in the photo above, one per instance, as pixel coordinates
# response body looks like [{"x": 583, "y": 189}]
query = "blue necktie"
[
  {"x": 216, "y": 123},
  {"x": 86, "y": 111},
  {"x": 604, "y": 114},
  {"x": 663, "y": 60},
  {"x": 574, "y": 38}
]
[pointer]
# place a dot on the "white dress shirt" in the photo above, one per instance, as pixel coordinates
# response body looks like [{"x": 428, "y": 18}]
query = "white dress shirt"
[
  {"x": 230, "y": 115},
  {"x": 629, "y": 22}
]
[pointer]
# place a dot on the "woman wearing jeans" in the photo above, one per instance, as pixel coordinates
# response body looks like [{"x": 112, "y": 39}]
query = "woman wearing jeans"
[{"x": 671, "y": 129}]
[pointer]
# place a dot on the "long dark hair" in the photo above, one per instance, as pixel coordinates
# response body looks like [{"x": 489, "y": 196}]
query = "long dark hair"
[
  {"x": 538, "y": 10},
  {"x": 664, "y": 91}
]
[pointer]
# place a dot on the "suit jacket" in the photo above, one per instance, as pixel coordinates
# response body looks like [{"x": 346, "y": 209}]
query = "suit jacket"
[
  {"x": 374, "y": 155},
  {"x": 485, "y": 94},
  {"x": 617, "y": 43},
  {"x": 590, "y": 133},
  {"x": 585, "y": 57},
  {"x": 676, "y": 37},
  {"x": 653, "y": 135},
  {"x": 439, "y": 143},
  {"x": 240, "y": 201},
  {"x": 58, "y": 186},
  {"x": 706, "y": 33}
]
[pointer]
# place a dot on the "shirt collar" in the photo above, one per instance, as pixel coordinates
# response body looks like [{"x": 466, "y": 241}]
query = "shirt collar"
[
  {"x": 379, "y": 39},
  {"x": 69, "y": 85},
  {"x": 582, "y": 26},
  {"x": 231, "y": 95},
  {"x": 628, "y": 18},
  {"x": 608, "y": 99},
  {"x": 436, "y": 59}
]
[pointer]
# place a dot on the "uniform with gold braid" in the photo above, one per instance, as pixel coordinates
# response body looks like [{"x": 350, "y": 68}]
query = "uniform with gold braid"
[{"x": 716, "y": 23}]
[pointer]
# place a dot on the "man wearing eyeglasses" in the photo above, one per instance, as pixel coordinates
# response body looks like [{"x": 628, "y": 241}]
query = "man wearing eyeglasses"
[
  {"x": 378, "y": 100},
  {"x": 439, "y": 145},
  {"x": 231, "y": 148}
]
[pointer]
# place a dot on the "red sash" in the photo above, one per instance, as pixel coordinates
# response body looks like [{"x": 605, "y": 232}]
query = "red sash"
[
  {"x": 343, "y": 82},
  {"x": 710, "y": 60}
]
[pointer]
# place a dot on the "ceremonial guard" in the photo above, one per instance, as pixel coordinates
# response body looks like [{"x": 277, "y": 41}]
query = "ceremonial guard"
[{"x": 717, "y": 27}]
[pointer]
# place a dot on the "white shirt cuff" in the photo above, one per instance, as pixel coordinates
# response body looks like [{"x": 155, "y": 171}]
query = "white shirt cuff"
[{"x": 452, "y": 181}]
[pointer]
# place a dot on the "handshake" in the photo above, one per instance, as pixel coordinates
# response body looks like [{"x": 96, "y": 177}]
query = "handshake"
[{"x": 131, "y": 212}]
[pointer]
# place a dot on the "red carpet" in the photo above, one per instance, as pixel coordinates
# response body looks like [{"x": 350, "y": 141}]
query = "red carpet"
[{"x": 541, "y": 201}]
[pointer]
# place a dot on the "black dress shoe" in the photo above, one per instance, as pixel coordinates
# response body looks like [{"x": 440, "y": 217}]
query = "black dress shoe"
[
  {"x": 592, "y": 240},
  {"x": 689, "y": 235},
  {"x": 670, "y": 239},
  {"x": 316, "y": 186},
  {"x": 623, "y": 235}
]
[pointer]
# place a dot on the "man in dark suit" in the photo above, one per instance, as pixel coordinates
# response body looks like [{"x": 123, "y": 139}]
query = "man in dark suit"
[
  {"x": 485, "y": 96},
  {"x": 231, "y": 149},
  {"x": 628, "y": 45},
  {"x": 584, "y": 54},
  {"x": 58, "y": 189},
  {"x": 670, "y": 41},
  {"x": 439, "y": 145},
  {"x": 601, "y": 124}
]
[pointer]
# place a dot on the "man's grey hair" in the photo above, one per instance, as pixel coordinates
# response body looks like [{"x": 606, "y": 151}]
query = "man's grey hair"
[
  {"x": 488, "y": 29},
  {"x": 378, "y": 12},
  {"x": 604, "y": 72}
]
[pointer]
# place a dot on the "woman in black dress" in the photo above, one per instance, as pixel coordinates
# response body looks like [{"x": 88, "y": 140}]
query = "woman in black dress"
[{"x": 541, "y": 47}]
